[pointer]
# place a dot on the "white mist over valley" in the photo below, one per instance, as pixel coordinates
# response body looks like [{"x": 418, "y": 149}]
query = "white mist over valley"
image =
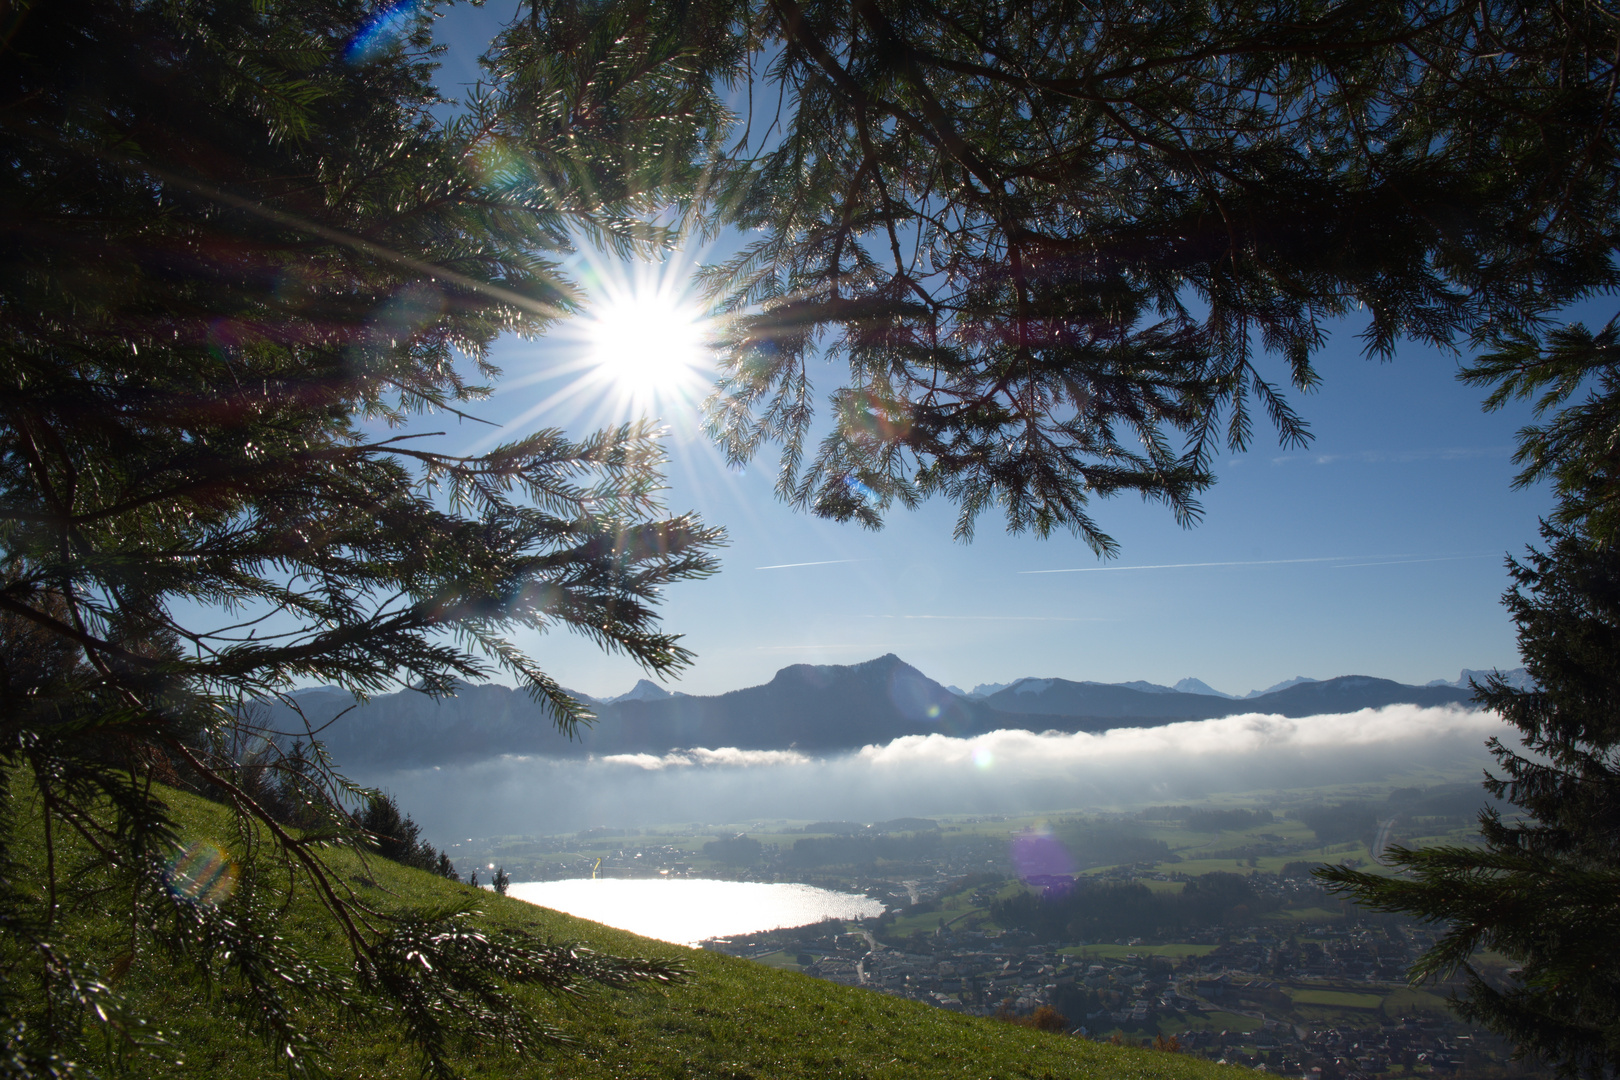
[{"x": 998, "y": 772}]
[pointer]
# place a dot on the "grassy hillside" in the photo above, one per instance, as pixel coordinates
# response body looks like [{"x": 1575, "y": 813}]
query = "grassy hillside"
[{"x": 733, "y": 1019}]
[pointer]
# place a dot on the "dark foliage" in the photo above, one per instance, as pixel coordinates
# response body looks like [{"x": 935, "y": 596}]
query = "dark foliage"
[
  {"x": 238, "y": 239},
  {"x": 1340, "y": 823},
  {"x": 1110, "y": 910},
  {"x": 395, "y": 836},
  {"x": 1102, "y": 844},
  {"x": 736, "y": 850},
  {"x": 1052, "y": 241},
  {"x": 837, "y": 828},
  {"x": 862, "y": 850},
  {"x": 1544, "y": 889},
  {"x": 1575, "y": 447}
]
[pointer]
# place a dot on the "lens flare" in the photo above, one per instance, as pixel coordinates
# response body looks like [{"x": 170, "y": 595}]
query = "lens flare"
[
  {"x": 916, "y": 698},
  {"x": 499, "y": 164},
  {"x": 1039, "y": 856},
  {"x": 859, "y": 489},
  {"x": 409, "y": 311},
  {"x": 202, "y": 874},
  {"x": 983, "y": 758},
  {"x": 385, "y": 29}
]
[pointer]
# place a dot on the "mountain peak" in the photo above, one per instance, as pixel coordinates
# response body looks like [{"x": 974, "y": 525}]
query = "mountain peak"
[
  {"x": 886, "y": 662},
  {"x": 817, "y": 710},
  {"x": 642, "y": 691},
  {"x": 1190, "y": 685}
]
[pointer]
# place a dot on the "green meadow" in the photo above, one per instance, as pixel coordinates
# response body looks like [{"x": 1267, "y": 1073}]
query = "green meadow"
[{"x": 729, "y": 1018}]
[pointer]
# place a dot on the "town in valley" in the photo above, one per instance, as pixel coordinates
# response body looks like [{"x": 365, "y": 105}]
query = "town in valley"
[{"x": 1199, "y": 929}]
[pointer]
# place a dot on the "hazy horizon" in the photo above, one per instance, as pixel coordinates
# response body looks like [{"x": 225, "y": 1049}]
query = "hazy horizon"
[{"x": 1002, "y": 772}]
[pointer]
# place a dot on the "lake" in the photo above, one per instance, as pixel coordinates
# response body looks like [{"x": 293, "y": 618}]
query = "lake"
[{"x": 687, "y": 911}]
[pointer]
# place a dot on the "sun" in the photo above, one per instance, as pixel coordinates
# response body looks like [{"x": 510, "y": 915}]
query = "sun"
[
  {"x": 648, "y": 344},
  {"x": 640, "y": 349}
]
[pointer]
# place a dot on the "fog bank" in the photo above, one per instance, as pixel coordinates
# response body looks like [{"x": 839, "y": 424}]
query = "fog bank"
[{"x": 1003, "y": 772}]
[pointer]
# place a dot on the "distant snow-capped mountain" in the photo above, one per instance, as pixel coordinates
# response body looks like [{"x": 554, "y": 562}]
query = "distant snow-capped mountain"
[
  {"x": 814, "y": 709},
  {"x": 1297, "y": 680},
  {"x": 1199, "y": 686},
  {"x": 1189, "y": 685},
  {"x": 1518, "y": 678},
  {"x": 1030, "y": 685}
]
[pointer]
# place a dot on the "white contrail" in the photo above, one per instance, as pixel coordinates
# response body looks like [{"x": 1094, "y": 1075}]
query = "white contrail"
[
  {"x": 987, "y": 618},
  {"x": 1383, "y": 560},
  {"x": 1187, "y": 565},
  {"x": 790, "y": 565},
  {"x": 1394, "y": 560}
]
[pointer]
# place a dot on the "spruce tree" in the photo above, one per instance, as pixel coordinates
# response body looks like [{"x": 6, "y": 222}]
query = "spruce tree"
[
  {"x": 239, "y": 241},
  {"x": 395, "y": 835},
  {"x": 1053, "y": 243},
  {"x": 1543, "y": 889}
]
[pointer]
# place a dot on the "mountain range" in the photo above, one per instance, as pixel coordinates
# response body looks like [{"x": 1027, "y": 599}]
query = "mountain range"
[{"x": 811, "y": 708}]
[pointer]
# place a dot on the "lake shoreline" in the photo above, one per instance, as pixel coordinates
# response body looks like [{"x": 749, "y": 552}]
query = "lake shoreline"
[{"x": 689, "y": 911}]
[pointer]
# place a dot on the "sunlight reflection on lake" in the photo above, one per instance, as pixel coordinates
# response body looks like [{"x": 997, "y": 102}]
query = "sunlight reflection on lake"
[{"x": 689, "y": 910}]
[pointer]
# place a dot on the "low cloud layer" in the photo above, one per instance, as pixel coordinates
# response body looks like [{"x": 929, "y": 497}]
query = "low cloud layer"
[
  {"x": 699, "y": 757},
  {"x": 1004, "y": 772},
  {"x": 1251, "y": 735}
]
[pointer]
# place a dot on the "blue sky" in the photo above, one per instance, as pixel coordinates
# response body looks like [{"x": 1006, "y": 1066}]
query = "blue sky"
[{"x": 1378, "y": 550}]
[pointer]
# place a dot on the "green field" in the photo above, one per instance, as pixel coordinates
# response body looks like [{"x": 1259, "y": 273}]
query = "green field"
[
  {"x": 782, "y": 960},
  {"x": 1218, "y": 1021},
  {"x": 1408, "y": 999},
  {"x": 1308, "y": 914},
  {"x": 1338, "y": 999},
  {"x": 732, "y": 1019},
  {"x": 1125, "y": 952},
  {"x": 957, "y": 910}
]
